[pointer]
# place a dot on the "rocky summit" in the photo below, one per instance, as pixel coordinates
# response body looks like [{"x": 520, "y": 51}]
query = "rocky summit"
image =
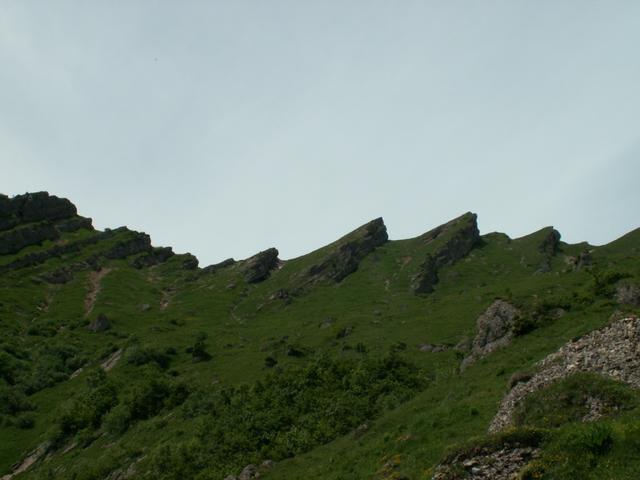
[{"x": 451, "y": 355}]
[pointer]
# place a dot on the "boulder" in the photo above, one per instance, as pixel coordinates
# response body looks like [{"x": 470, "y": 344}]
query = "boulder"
[
  {"x": 57, "y": 277},
  {"x": 459, "y": 237},
  {"x": 100, "y": 324},
  {"x": 189, "y": 262},
  {"x": 494, "y": 330},
  {"x": 267, "y": 465},
  {"x": 628, "y": 294},
  {"x": 259, "y": 267},
  {"x": 249, "y": 472}
]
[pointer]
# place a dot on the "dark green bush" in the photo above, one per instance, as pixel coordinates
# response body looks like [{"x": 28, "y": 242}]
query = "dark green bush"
[
  {"x": 13, "y": 401},
  {"x": 288, "y": 412},
  {"x": 143, "y": 355}
]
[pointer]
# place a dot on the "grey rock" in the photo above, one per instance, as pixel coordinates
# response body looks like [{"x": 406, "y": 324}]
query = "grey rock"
[
  {"x": 12, "y": 241},
  {"x": 219, "y": 266},
  {"x": 345, "y": 255},
  {"x": 249, "y": 472},
  {"x": 156, "y": 256},
  {"x": 548, "y": 247},
  {"x": 57, "y": 277},
  {"x": 267, "y": 464},
  {"x": 189, "y": 262},
  {"x": 100, "y": 324},
  {"x": 259, "y": 267},
  {"x": 33, "y": 207},
  {"x": 488, "y": 463},
  {"x": 138, "y": 243},
  {"x": 74, "y": 224},
  {"x": 462, "y": 234},
  {"x": 494, "y": 330},
  {"x": 628, "y": 294}
]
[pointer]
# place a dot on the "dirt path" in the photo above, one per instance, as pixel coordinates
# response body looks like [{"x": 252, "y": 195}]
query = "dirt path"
[
  {"x": 95, "y": 279},
  {"x": 166, "y": 298}
]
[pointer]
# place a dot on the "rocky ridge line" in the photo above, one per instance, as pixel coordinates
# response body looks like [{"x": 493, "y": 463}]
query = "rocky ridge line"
[
  {"x": 348, "y": 252},
  {"x": 457, "y": 247}
]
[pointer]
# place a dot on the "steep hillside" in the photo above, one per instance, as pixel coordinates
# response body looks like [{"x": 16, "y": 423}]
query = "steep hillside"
[{"x": 367, "y": 358}]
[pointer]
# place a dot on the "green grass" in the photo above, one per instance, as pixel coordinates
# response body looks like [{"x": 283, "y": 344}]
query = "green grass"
[{"x": 373, "y": 310}]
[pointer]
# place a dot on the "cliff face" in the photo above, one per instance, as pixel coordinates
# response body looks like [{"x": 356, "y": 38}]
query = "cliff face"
[
  {"x": 348, "y": 252},
  {"x": 33, "y": 207},
  {"x": 460, "y": 236},
  {"x": 32, "y": 218}
]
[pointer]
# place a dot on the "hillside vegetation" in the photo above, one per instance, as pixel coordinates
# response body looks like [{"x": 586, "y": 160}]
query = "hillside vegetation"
[{"x": 369, "y": 358}]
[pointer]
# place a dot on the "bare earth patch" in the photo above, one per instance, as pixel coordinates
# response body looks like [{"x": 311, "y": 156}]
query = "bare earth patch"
[
  {"x": 95, "y": 279},
  {"x": 112, "y": 361}
]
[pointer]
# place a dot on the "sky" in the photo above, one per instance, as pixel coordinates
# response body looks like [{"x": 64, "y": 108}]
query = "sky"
[{"x": 223, "y": 128}]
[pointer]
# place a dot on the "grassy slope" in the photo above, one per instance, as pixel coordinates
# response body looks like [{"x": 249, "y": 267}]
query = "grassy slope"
[{"x": 244, "y": 326}]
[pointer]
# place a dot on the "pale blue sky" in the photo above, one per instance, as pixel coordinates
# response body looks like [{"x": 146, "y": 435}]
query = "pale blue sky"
[{"x": 223, "y": 128}]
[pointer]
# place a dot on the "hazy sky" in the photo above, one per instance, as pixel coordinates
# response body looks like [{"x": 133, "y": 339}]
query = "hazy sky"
[{"x": 224, "y": 128}]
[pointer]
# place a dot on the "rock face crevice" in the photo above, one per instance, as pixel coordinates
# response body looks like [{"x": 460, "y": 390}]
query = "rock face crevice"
[
  {"x": 348, "y": 252},
  {"x": 460, "y": 243},
  {"x": 613, "y": 351}
]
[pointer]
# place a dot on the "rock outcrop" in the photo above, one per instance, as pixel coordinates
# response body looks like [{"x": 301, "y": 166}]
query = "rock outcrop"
[
  {"x": 12, "y": 241},
  {"x": 580, "y": 262},
  {"x": 345, "y": 255},
  {"x": 33, "y": 207},
  {"x": 259, "y": 267},
  {"x": 494, "y": 331},
  {"x": 219, "y": 266},
  {"x": 156, "y": 256},
  {"x": 628, "y": 294},
  {"x": 488, "y": 464},
  {"x": 58, "y": 276},
  {"x": 461, "y": 236},
  {"x": 548, "y": 247},
  {"x": 100, "y": 324},
  {"x": 613, "y": 351},
  {"x": 74, "y": 224},
  {"x": 138, "y": 243}
]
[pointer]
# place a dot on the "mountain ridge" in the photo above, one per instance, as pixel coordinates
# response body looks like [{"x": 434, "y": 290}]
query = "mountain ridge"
[{"x": 117, "y": 354}]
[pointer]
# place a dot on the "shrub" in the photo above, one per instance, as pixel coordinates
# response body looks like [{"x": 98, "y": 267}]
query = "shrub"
[
  {"x": 594, "y": 438},
  {"x": 144, "y": 355}
]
